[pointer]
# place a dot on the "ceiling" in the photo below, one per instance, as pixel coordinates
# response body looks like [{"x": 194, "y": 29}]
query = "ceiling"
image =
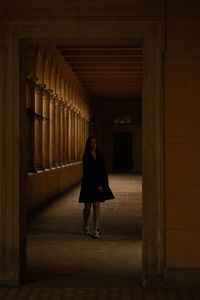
[{"x": 107, "y": 72}]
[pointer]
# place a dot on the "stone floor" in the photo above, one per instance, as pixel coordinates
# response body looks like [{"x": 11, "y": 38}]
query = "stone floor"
[
  {"x": 65, "y": 264},
  {"x": 96, "y": 294},
  {"x": 60, "y": 255}
]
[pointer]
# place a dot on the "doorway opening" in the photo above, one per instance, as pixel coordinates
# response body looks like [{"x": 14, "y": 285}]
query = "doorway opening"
[
  {"x": 72, "y": 82},
  {"x": 107, "y": 33},
  {"x": 123, "y": 152}
]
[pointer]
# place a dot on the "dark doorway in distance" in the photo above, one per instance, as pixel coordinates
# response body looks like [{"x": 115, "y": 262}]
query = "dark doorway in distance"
[{"x": 123, "y": 152}]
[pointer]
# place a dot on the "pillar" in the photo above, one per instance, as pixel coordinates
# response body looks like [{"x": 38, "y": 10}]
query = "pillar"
[
  {"x": 61, "y": 132},
  {"x": 77, "y": 140},
  {"x": 79, "y": 136},
  {"x": 52, "y": 131},
  {"x": 30, "y": 105},
  {"x": 38, "y": 127},
  {"x": 69, "y": 133},
  {"x": 85, "y": 129},
  {"x": 57, "y": 132},
  {"x": 45, "y": 130},
  {"x": 82, "y": 136},
  {"x": 65, "y": 133},
  {"x": 75, "y": 135}
]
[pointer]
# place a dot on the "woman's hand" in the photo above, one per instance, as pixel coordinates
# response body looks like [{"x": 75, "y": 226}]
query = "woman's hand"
[{"x": 100, "y": 188}]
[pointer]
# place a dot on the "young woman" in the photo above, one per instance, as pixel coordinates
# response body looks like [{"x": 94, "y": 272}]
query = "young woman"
[{"x": 94, "y": 185}]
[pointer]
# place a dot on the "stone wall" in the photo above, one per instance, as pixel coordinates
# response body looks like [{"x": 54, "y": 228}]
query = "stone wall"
[
  {"x": 182, "y": 133},
  {"x": 46, "y": 186},
  {"x": 105, "y": 127}
]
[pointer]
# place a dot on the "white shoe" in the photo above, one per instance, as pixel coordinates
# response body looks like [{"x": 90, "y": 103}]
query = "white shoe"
[
  {"x": 87, "y": 230},
  {"x": 95, "y": 234}
]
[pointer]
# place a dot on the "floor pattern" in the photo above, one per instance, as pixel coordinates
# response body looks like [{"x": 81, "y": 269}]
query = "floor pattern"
[
  {"x": 60, "y": 255},
  {"x": 97, "y": 294}
]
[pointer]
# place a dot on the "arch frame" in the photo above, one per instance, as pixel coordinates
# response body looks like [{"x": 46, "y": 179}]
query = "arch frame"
[{"x": 15, "y": 38}]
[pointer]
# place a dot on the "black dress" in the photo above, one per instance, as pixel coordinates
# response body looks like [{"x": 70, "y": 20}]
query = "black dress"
[{"x": 94, "y": 175}]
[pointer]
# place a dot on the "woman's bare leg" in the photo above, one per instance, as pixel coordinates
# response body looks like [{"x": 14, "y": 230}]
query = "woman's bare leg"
[
  {"x": 96, "y": 214},
  {"x": 86, "y": 213}
]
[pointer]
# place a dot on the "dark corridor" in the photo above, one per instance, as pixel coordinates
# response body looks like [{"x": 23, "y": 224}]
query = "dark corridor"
[{"x": 123, "y": 152}]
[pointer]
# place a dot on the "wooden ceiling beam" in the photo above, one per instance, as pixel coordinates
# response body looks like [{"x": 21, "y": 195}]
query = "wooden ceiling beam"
[
  {"x": 108, "y": 68},
  {"x": 62, "y": 47},
  {"x": 104, "y": 55},
  {"x": 109, "y": 72},
  {"x": 82, "y": 65},
  {"x": 103, "y": 59}
]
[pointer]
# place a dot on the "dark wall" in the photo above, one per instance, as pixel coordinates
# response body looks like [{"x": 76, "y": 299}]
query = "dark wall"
[{"x": 105, "y": 114}]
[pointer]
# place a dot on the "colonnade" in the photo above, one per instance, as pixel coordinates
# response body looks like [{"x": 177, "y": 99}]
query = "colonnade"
[{"x": 58, "y": 124}]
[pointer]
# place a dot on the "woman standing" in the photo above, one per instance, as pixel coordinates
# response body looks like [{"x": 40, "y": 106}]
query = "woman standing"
[{"x": 94, "y": 185}]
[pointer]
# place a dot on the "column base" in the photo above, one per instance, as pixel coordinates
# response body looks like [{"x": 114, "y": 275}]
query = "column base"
[
  {"x": 39, "y": 168},
  {"x": 46, "y": 167},
  {"x": 31, "y": 170},
  {"x": 58, "y": 165},
  {"x": 53, "y": 166}
]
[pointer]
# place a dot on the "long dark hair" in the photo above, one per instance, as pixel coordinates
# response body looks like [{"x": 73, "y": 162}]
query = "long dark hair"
[{"x": 87, "y": 150}]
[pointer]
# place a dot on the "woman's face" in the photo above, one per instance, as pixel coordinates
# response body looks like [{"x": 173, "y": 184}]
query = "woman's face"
[{"x": 93, "y": 144}]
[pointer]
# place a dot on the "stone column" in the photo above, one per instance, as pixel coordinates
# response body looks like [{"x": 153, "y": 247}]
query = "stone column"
[
  {"x": 57, "y": 131},
  {"x": 45, "y": 130},
  {"x": 82, "y": 136},
  {"x": 73, "y": 135},
  {"x": 77, "y": 139},
  {"x": 38, "y": 127},
  {"x": 52, "y": 131},
  {"x": 30, "y": 106},
  {"x": 61, "y": 135},
  {"x": 65, "y": 133},
  {"x": 87, "y": 127},
  {"x": 85, "y": 130},
  {"x": 79, "y": 136},
  {"x": 69, "y": 133}
]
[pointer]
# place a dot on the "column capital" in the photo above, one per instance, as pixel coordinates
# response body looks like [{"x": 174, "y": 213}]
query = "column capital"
[
  {"x": 39, "y": 88},
  {"x": 68, "y": 106},
  {"x": 72, "y": 109},
  {"x": 85, "y": 117},
  {"x": 49, "y": 92},
  {"x": 31, "y": 81},
  {"x": 75, "y": 111},
  {"x": 79, "y": 114},
  {"x": 60, "y": 101},
  {"x": 56, "y": 99},
  {"x": 51, "y": 96},
  {"x": 65, "y": 105}
]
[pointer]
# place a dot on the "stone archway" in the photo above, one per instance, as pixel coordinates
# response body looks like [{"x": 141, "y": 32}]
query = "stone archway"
[{"x": 81, "y": 33}]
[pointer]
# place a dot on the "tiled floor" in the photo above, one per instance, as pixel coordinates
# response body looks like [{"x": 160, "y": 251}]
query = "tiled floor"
[
  {"x": 96, "y": 294},
  {"x": 59, "y": 255}
]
